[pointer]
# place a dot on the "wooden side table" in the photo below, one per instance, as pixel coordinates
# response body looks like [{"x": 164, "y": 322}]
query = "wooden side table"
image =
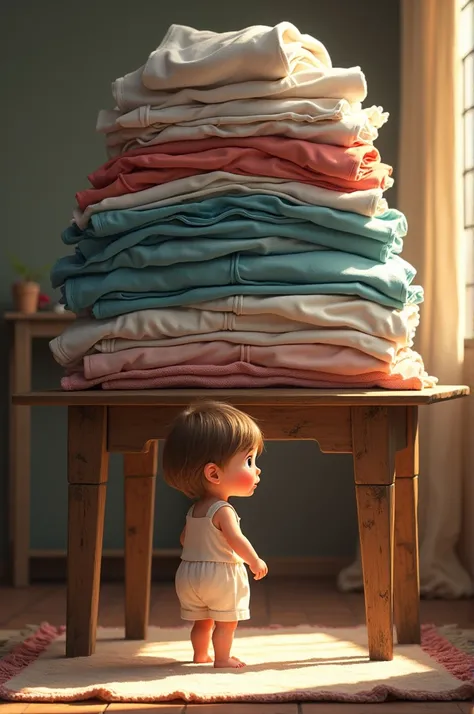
[
  {"x": 378, "y": 427},
  {"x": 25, "y": 328}
]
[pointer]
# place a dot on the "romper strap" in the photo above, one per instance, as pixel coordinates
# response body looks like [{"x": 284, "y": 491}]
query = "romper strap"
[
  {"x": 191, "y": 511},
  {"x": 217, "y": 506}
]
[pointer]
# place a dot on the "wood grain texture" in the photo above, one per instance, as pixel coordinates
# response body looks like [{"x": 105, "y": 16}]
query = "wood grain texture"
[
  {"x": 87, "y": 444},
  {"x": 406, "y": 557},
  {"x": 406, "y": 562},
  {"x": 297, "y": 397},
  {"x": 467, "y": 534},
  {"x": 23, "y": 329},
  {"x": 130, "y": 428},
  {"x": 87, "y": 476},
  {"x": 375, "y": 513},
  {"x": 139, "y": 494},
  {"x": 374, "y": 473},
  {"x": 408, "y": 459},
  {"x": 20, "y": 457},
  {"x": 374, "y": 444},
  {"x": 40, "y": 316},
  {"x": 86, "y": 510}
]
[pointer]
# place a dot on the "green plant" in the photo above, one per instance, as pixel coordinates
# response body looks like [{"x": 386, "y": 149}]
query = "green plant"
[{"x": 27, "y": 274}]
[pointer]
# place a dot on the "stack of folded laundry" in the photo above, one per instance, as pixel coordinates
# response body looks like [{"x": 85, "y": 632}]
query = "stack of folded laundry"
[{"x": 238, "y": 235}]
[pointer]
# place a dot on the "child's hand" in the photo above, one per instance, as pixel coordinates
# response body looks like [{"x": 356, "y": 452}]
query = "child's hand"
[{"x": 259, "y": 568}]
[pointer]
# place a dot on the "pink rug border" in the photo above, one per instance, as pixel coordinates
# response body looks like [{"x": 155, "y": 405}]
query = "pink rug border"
[{"x": 459, "y": 664}]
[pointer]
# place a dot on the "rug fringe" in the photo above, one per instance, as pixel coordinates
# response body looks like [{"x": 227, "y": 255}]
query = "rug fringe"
[
  {"x": 459, "y": 664},
  {"x": 26, "y": 652},
  {"x": 11, "y": 638},
  {"x": 461, "y": 639}
]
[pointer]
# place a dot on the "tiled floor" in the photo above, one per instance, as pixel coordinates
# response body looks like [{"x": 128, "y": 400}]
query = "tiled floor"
[{"x": 274, "y": 601}]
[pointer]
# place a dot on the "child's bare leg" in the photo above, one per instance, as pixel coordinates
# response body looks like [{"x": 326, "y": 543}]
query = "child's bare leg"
[
  {"x": 201, "y": 640},
  {"x": 222, "y": 639}
]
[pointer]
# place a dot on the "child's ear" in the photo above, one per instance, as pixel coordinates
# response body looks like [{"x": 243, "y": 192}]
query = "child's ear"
[{"x": 211, "y": 473}]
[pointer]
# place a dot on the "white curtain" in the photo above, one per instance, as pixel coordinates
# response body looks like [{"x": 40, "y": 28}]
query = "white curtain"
[{"x": 429, "y": 191}]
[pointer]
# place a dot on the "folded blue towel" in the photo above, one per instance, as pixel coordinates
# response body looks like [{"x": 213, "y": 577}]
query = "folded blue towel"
[
  {"x": 256, "y": 206},
  {"x": 318, "y": 272}
]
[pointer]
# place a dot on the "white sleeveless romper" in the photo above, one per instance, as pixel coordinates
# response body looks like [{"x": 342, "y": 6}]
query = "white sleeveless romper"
[{"x": 212, "y": 580}]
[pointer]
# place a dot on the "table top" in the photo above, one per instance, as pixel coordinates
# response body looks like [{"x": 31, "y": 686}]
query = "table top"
[
  {"x": 286, "y": 397},
  {"x": 40, "y": 316}
]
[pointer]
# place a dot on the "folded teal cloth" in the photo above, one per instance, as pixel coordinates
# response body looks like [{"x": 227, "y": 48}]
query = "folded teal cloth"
[
  {"x": 318, "y": 272},
  {"x": 170, "y": 252},
  {"x": 214, "y": 210},
  {"x": 225, "y": 219}
]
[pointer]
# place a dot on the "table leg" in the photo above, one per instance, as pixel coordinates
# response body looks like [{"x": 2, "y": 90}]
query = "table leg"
[
  {"x": 140, "y": 479},
  {"x": 87, "y": 475},
  {"x": 374, "y": 469},
  {"x": 406, "y": 570},
  {"x": 20, "y": 461}
]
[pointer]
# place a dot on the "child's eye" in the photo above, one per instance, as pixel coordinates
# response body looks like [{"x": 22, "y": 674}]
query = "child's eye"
[{"x": 249, "y": 461}]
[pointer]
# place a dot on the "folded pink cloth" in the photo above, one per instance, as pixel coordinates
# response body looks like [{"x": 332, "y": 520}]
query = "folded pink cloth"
[
  {"x": 336, "y": 168},
  {"x": 342, "y": 162},
  {"x": 331, "y": 358},
  {"x": 241, "y": 374},
  {"x": 240, "y": 381}
]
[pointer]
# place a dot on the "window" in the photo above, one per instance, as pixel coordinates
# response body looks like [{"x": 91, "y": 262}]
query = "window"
[{"x": 467, "y": 56}]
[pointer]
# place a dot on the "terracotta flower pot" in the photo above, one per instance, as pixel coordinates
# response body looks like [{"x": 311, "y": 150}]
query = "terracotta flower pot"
[{"x": 25, "y": 296}]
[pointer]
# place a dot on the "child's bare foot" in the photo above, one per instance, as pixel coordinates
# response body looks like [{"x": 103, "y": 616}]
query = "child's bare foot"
[
  {"x": 233, "y": 662},
  {"x": 202, "y": 659}
]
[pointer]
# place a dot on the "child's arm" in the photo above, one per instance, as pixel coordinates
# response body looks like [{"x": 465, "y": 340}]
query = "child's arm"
[
  {"x": 181, "y": 537},
  {"x": 226, "y": 521}
]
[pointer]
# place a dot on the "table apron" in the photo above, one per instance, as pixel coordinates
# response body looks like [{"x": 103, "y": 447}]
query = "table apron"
[{"x": 130, "y": 428}]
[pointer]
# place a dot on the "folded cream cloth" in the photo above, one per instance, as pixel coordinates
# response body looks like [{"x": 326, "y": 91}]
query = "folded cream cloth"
[
  {"x": 336, "y": 83},
  {"x": 322, "y": 315},
  {"x": 243, "y": 111},
  {"x": 353, "y": 128},
  {"x": 369, "y": 202},
  {"x": 259, "y": 61},
  {"x": 187, "y": 57},
  {"x": 238, "y": 111},
  {"x": 339, "y": 133}
]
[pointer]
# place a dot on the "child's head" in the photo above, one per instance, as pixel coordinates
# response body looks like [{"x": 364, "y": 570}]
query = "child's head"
[{"x": 205, "y": 440}]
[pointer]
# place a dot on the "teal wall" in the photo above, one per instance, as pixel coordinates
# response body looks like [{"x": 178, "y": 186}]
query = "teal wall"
[{"x": 58, "y": 60}]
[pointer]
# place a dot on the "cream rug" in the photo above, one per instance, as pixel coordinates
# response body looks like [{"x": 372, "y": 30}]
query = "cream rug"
[{"x": 283, "y": 664}]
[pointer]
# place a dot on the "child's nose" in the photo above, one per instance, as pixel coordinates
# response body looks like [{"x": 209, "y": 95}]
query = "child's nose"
[{"x": 259, "y": 471}]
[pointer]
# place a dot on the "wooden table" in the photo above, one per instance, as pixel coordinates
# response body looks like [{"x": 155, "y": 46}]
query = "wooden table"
[
  {"x": 380, "y": 429},
  {"x": 26, "y": 328}
]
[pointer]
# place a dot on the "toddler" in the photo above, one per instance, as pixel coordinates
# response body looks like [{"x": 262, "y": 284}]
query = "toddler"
[{"x": 210, "y": 455}]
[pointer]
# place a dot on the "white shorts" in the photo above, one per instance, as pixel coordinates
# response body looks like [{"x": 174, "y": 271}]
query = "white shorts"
[{"x": 213, "y": 591}]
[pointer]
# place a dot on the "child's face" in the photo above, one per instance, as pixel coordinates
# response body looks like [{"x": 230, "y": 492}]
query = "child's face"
[{"x": 241, "y": 475}]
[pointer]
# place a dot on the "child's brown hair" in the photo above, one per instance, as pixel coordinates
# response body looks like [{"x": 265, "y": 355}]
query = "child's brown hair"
[{"x": 206, "y": 432}]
